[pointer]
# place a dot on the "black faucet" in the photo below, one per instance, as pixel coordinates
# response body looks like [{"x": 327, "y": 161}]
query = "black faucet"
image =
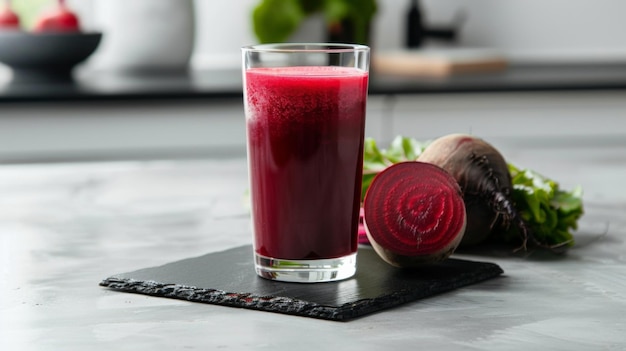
[{"x": 417, "y": 31}]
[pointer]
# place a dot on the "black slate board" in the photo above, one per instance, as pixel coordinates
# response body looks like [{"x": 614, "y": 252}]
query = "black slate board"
[{"x": 228, "y": 278}]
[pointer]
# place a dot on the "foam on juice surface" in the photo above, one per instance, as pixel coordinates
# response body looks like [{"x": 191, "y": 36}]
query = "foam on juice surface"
[
  {"x": 310, "y": 90},
  {"x": 309, "y": 71}
]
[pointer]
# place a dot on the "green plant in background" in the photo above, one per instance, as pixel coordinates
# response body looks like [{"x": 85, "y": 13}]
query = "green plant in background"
[{"x": 275, "y": 20}]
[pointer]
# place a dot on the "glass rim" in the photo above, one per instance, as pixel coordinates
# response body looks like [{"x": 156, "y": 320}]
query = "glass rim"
[{"x": 306, "y": 48}]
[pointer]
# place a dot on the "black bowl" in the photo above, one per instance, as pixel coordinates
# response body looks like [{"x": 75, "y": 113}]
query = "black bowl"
[{"x": 45, "y": 56}]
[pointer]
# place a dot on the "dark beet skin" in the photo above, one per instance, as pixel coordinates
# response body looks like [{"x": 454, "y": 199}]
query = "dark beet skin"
[
  {"x": 484, "y": 177},
  {"x": 414, "y": 214}
]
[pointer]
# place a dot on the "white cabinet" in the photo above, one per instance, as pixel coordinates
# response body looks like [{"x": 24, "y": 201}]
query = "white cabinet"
[
  {"x": 110, "y": 130},
  {"x": 523, "y": 119},
  {"x": 195, "y": 128}
]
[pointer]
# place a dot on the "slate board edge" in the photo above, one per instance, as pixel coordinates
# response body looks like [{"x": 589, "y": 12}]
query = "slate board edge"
[
  {"x": 276, "y": 304},
  {"x": 291, "y": 306}
]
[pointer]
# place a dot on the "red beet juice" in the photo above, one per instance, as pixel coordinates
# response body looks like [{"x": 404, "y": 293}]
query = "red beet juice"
[{"x": 305, "y": 128}]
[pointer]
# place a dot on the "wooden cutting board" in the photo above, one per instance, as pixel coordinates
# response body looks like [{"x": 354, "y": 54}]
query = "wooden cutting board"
[
  {"x": 227, "y": 278},
  {"x": 437, "y": 62}
]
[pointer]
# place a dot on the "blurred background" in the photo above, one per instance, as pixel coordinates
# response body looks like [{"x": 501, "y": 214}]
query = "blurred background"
[
  {"x": 164, "y": 80},
  {"x": 523, "y": 29}
]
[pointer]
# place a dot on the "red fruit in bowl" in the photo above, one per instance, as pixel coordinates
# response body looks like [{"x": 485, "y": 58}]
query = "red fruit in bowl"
[
  {"x": 60, "y": 19},
  {"x": 8, "y": 18}
]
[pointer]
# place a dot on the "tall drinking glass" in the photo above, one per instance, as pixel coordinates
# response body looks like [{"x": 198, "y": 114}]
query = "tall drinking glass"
[{"x": 305, "y": 117}]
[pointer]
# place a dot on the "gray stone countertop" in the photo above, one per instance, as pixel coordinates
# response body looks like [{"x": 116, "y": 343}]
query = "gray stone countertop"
[{"x": 65, "y": 227}]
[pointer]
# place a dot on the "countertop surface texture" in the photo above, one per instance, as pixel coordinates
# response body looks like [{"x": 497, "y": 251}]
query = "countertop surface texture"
[{"x": 65, "y": 227}]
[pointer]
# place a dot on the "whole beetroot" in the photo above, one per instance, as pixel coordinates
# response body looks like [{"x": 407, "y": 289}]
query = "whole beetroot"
[{"x": 484, "y": 178}]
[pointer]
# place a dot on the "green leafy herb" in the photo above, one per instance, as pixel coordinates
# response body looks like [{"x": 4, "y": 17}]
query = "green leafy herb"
[
  {"x": 551, "y": 212},
  {"x": 375, "y": 159}
]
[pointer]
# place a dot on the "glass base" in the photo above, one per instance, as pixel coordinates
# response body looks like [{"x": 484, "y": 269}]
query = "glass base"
[{"x": 305, "y": 271}]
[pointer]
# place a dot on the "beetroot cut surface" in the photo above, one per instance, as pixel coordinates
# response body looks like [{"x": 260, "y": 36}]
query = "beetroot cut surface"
[{"x": 414, "y": 213}]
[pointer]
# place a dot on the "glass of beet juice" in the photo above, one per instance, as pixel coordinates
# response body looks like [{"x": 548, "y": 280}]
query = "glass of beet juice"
[{"x": 305, "y": 117}]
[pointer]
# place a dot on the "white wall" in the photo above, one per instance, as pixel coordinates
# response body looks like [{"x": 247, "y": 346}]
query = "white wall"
[{"x": 203, "y": 128}]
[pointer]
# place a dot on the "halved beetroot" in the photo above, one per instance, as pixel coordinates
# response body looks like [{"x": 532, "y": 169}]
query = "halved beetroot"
[{"x": 414, "y": 214}]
